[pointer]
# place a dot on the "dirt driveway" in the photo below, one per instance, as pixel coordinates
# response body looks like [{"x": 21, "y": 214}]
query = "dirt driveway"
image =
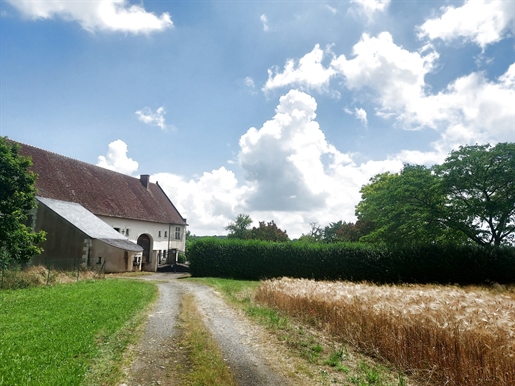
[{"x": 244, "y": 345}]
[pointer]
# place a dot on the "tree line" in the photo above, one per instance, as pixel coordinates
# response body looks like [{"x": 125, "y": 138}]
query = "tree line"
[{"x": 468, "y": 199}]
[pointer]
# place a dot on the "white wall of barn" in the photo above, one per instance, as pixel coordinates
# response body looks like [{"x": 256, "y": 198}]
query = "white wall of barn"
[{"x": 161, "y": 235}]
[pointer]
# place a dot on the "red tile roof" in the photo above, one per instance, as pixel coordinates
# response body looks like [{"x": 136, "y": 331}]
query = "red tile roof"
[{"x": 101, "y": 191}]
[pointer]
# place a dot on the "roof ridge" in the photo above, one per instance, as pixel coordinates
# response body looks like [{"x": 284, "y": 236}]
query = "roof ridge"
[{"x": 74, "y": 159}]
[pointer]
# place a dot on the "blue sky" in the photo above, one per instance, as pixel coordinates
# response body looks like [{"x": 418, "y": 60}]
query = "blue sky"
[{"x": 281, "y": 110}]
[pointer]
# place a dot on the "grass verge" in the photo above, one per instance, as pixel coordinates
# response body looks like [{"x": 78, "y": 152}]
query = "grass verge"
[
  {"x": 69, "y": 334},
  {"x": 319, "y": 359},
  {"x": 205, "y": 365}
]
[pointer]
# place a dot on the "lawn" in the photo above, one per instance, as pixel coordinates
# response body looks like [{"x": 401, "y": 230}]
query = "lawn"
[{"x": 69, "y": 334}]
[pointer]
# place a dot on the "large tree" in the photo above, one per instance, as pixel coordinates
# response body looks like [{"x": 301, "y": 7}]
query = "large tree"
[
  {"x": 240, "y": 228},
  {"x": 343, "y": 231},
  {"x": 268, "y": 232},
  {"x": 479, "y": 185},
  {"x": 17, "y": 197},
  {"x": 405, "y": 207}
]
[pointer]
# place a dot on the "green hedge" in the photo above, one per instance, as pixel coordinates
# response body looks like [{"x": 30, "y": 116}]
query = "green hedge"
[{"x": 254, "y": 260}]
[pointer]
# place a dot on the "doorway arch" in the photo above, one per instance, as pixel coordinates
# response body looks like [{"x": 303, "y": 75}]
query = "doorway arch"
[{"x": 144, "y": 242}]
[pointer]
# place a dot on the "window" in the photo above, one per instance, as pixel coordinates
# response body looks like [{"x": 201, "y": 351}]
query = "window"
[
  {"x": 166, "y": 233},
  {"x": 127, "y": 232},
  {"x": 117, "y": 229},
  {"x": 159, "y": 234},
  {"x": 177, "y": 233}
]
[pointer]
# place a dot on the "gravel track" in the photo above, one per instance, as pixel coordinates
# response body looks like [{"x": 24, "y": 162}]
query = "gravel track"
[{"x": 242, "y": 344}]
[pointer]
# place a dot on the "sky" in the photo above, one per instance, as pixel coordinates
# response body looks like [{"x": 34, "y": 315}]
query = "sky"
[{"x": 281, "y": 110}]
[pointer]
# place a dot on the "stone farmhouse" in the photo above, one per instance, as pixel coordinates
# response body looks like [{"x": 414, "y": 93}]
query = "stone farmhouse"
[{"x": 95, "y": 217}]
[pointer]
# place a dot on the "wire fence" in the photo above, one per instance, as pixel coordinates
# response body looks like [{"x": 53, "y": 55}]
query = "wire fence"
[{"x": 47, "y": 272}]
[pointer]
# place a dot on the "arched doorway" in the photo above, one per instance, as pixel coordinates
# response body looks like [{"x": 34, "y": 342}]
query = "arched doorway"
[{"x": 144, "y": 242}]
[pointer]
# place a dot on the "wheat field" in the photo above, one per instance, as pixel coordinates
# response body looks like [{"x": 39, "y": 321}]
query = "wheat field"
[{"x": 444, "y": 335}]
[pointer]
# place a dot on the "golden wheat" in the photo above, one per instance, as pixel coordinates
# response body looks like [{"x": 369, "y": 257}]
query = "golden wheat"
[{"x": 454, "y": 336}]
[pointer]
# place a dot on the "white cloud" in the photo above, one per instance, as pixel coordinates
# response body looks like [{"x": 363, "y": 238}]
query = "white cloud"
[
  {"x": 481, "y": 21},
  {"x": 394, "y": 74},
  {"x": 369, "y": 9},
  {"x": 473, "y": 109},
  {"x": 292, "y": 176},
  {"x": 361, "y": 115},
  {"x": 470, "y": 109},
  {"x": 209, "y": 202},
  {"x": 333, "y": 10},
  {"x": 147, "y": 116},
  {"x": 101, "y": 15},
  {"x": 308, "y": 73},
  {"x": 249, "y": 82},
  {"x": 264, "y": 21},
  {"x": 372, "y": 5},
  {"x": 117, "y": 159}
]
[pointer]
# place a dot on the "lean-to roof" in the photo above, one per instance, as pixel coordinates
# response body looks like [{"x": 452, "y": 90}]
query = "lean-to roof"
[{"x": 90, "y": 224}]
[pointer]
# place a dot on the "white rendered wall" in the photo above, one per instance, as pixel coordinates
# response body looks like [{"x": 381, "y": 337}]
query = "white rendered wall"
[{"x": 159, "y": 242}]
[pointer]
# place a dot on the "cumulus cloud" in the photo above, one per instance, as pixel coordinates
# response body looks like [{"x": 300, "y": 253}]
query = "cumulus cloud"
[
  {"x": 209, "y": 202},
  {"x": 309, "y": 73},
  {"x": 293, "y": 176},
  {"x": 117, "y": 160},
  {"x": 101, "y": 15},
  {"x": 481, "y": 21},
  {"x": 281, "y": 160},
  {"x": 394, "y": 74},
  {"x": 470, "y": 109},
  {"x": 473, "y": 109},
  {"x": 149, "y": 117}
]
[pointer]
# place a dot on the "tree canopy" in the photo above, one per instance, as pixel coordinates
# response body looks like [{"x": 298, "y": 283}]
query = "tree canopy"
[
  {"x": 471, "y": 196},
  {"x": 479, "y": 185},
  {"x": 17, "y": 198},
  {"x": 240, "y": 228},
  {"x": 268, "y": 232}
]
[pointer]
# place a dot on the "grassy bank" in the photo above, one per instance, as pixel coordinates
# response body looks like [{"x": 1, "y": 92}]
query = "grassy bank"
[{"x": 69, "y": 334}]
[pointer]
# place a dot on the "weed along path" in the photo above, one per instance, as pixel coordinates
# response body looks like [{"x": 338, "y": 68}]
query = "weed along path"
[{"x": 163, "y": 355}]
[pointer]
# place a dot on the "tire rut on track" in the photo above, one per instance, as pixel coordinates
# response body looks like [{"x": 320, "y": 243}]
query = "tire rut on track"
[{"x": 243, "y": 347}]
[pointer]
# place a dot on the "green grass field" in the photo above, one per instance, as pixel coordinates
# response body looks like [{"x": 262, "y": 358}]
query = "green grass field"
[{"x": 69, "y": 334}]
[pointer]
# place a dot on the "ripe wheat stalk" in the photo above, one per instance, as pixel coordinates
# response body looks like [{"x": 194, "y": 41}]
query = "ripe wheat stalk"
[{"x": 453, "y": 335}]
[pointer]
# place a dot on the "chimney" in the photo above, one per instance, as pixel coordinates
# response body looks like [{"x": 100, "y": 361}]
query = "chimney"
[{"x": 144, "y": 179}]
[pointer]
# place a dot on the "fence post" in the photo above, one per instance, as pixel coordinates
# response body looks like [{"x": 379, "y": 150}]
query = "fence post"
[{"x": 48, "y": 275}]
